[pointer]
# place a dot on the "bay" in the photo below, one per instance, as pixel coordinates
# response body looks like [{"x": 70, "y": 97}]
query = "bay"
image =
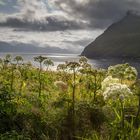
[{"x": 61, "y": 58}]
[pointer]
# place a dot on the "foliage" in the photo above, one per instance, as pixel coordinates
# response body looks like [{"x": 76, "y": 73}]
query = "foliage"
[{"x": 75, "y": 102}]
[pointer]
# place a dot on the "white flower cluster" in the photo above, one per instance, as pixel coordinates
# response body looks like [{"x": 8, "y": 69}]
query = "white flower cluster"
[
  {"x": 61, "y": 85},
  {"x": 109, "y": 80},
  {"x": 114, "y": 90},
  {"x": 131, "y": 73},
  {"x": 123, "y": 71}
]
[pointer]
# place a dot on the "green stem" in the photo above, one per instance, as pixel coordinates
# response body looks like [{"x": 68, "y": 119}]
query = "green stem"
[
  {"x": 73, "y": 104},
  {"x": 40, "y": 82},
  {"x": 21, "y": 85},
  {"x": 12, "y": 79},
  {"x": 122, "y": 109},
  {"x": 73, "y": 93},
  {"x": 95, "y": 89},
  {"x": 138, "y": 112}
]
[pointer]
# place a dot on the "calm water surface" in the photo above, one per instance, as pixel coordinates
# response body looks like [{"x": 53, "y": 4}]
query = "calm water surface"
[{"x": 61, "y": 58}]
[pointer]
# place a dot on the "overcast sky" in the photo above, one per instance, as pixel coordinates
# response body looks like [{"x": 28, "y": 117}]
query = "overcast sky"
[{"x": 70, "y": 24}]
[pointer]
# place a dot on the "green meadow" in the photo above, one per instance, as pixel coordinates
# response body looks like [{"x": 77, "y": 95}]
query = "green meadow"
[{"x": 75, "y": 102}]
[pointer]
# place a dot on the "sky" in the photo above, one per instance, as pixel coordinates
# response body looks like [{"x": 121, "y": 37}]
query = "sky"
[{"x": 68, "y": 24}]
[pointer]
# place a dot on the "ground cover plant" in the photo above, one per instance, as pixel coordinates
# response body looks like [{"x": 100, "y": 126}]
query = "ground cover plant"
[{"x": 76, "y": 102}]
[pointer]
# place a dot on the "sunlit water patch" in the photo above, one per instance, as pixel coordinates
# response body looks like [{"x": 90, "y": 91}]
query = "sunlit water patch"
[{"x": 62, "y": 58}]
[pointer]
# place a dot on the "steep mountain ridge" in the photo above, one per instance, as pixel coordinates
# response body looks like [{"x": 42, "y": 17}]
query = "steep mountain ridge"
[{"x": 121, "y": 39}]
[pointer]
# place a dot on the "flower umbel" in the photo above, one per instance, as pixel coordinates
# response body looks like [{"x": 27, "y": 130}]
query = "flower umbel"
[
  {"x": 61, "y": 85},
  {"x": 109, "y": 80},
  {"x": 117, "y": 91}
]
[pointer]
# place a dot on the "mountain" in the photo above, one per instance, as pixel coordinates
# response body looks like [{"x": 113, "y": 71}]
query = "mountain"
[
  {"x": 121, "y": 39},
  {"x": 16, "y": 47}
]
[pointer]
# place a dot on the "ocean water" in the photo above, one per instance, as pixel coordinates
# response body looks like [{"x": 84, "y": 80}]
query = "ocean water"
[{"x": 61, "y": 58}]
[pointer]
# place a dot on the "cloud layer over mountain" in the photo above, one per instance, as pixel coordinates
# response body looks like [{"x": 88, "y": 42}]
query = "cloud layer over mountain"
[
  {"x": 68, "y": 14},
  {"x": 89, "y": 17},
  {"x": 98, "y": 13}
]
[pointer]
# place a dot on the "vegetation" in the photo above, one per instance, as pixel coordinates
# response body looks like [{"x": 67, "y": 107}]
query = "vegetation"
[{"x": 76, "y": 102}]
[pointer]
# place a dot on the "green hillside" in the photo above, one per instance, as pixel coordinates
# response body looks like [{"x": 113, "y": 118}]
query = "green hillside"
[{"x": 121, "y": 39}]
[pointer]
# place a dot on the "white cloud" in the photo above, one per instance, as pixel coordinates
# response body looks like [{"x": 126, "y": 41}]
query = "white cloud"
[{"x": 70, "y": 39}]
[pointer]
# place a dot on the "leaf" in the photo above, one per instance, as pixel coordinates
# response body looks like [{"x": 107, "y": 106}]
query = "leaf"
[{"x": 117, "y": 114}]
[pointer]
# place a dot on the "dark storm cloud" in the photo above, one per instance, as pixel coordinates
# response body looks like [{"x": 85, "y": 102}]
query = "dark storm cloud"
[
  {"x": 46, "y": 24},
  {"x": 99, "y": 13},
  {"x": 78, "y": 14},
  {"x": 34, "y": 15}
]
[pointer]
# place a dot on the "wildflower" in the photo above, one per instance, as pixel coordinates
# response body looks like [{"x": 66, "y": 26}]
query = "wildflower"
[
  {"x": 123, "y": 72},
  {"x": 109, "y": 80},
  {"x": 61, "y": 67},
  {"x": 73, "y": 65},
  {"x": 131, "y": 73},
  {"x": 61, "y": 85},
  {"x": 117, "y": 90},
  {"x": 83, "y": 60}
]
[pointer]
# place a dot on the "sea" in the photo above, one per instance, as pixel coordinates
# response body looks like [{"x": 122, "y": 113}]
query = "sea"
[{"x": 61, "y": 58}]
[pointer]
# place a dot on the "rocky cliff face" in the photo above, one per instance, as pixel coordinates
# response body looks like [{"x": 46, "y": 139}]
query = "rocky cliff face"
[{"x": 121, "y": 39}]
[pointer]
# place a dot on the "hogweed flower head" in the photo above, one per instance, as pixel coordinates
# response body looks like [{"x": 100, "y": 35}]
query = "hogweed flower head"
[
  {"x": 117, "y": 91},
  {"x": 109, "y": 80},
  {"x": 83, "y": 60},
  {"x": 73, "y": 65},
  {"x": 61, "y": 85},
  {"x": 61, "y": 67}
]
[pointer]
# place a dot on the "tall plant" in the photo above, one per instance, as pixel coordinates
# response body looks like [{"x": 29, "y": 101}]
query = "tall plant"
[
  {"x": 13, "y": 67},
  {"x": 18, "y": 60},
  {"x": 40, "y": 59},
  {"x": 48, "y": 62},
  {"x": 7, "y": 60},
  {"x": 136, "y": 88},
  {"x": 73, "y": 66}
]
